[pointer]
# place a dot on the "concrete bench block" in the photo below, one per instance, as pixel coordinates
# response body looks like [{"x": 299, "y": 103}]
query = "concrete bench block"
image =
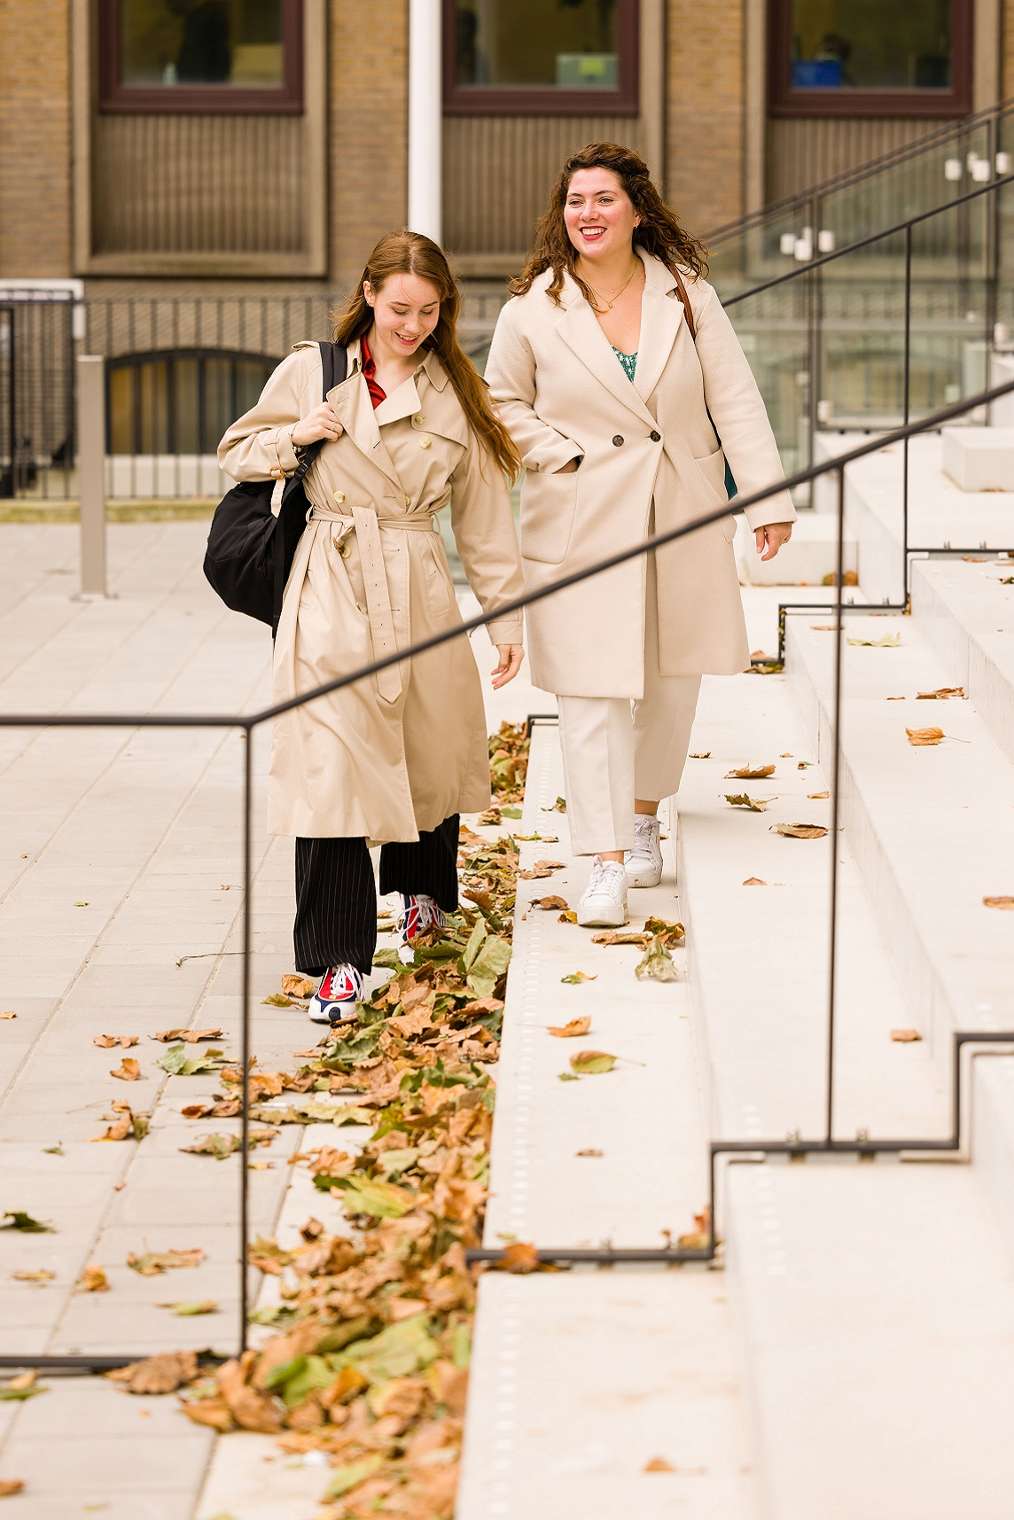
[{"x": 979, "y": 458}]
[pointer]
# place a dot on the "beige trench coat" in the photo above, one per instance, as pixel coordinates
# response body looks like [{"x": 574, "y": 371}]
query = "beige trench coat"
[
  {"x": 563, "y": 394},
  {"x": 402, "y": 750}
]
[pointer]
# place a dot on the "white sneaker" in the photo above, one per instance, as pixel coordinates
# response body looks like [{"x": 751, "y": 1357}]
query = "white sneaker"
[
  {"x": 334, "y": 1002},
  {"x": 604, "y": 903},
  {"x": 644, "y": 861}
]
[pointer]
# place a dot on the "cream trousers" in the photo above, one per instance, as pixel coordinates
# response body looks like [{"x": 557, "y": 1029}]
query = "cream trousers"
[{"x": 616, "y": 749}]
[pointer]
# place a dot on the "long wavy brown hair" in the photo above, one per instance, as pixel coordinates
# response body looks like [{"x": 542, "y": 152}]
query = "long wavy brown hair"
[
  {"x": 411, "y": 253},
  {"x": 659, "y": 232}
]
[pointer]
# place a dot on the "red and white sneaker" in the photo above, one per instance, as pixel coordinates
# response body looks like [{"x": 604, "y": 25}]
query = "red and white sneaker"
[
  {"x": 334, "y": 1002},
  {"x": 419, "y": 914}
]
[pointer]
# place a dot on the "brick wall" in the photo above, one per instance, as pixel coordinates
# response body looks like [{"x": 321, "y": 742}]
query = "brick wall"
[
  {"x": 704, "y": 107},
  {"x": 35, "y": 136},
  {"x": 368, "y": 87}
]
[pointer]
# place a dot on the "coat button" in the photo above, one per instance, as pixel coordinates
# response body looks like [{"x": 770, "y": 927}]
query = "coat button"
[
  {"x": 617, "y": 439},
  {"x": 656, "y": 437},
  {"x": 339, "y": 498},
  {"x": 425, "y": 443}
]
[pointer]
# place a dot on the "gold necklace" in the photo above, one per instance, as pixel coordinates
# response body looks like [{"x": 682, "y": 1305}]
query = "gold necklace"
[{"x": 610, "y": 304}]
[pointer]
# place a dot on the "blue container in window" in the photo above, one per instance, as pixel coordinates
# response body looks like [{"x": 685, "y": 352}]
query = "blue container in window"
[{"x": 816, "y": 73}]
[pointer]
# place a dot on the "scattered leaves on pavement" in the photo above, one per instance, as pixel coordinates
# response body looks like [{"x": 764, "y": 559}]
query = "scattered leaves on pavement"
[
  {"x": 799, "y": 830},
  {"x": 221, "y": 1146},
  {"x": 92, "y": 1280},
  {"x": 591, "y": 1063},
  {"x": 16, "y": 1219},
  {"x": 942, "y": 694},
  {"x": 744, "y": 800},
  {"x": 129, "y": 1070},
  {"x": 295, "y": 986},
  {"x": 151, "y": 1263},
  {"x": 905, "y": 1036},
  {"x": 572, "y": 1030},
  {"x": 125, "y": 1124},
  {"x": 508, "y": 762},
  {"x": 542, "y": 868},
  {"x": 547, "y": 904},
  {"x": 923, "y": 736},
  {"x": 575, "y": 978},
  {"x": 109, "y": 1041},
  {"x": 178, "y": 1064},
  {"x": 750, "y": 773}
]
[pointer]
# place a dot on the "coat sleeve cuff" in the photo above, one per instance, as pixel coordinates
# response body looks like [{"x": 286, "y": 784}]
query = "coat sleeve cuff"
[
  {"x": 778, "y": 509},
  {"x": 287, "y": 461},
  {"x": 553, "y": 458},
  {"x": 506, "y": 630}
]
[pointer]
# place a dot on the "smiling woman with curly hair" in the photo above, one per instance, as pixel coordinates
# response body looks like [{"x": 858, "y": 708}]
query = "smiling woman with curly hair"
[{"x": 615, "y": 355}]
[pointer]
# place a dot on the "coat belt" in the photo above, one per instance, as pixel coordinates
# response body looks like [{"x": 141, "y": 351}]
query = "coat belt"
[{"x": 368, "y": 526}]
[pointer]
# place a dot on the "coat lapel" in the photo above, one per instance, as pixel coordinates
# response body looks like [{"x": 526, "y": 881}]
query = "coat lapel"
[
  {"x": 583, "y": 335},
  {"x": 661, "y": 315},
  {"x": 354, "y": 409}
]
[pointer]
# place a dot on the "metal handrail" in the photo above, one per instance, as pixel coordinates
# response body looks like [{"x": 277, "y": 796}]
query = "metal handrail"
[
  {"x": 858, "y": 175},
  {"x": 248, "y": 723}
]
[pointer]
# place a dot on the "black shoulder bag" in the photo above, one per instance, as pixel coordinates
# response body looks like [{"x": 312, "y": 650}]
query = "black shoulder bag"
[{"x": 250, "y": 550}]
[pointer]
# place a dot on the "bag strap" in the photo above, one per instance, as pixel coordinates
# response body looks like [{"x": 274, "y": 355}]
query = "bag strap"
[
  {"x": 686, "y": 304},
  {"x": 334, "y": 360}
]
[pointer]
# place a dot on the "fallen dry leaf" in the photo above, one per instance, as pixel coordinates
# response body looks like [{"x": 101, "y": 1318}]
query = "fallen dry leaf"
[
  {"x": 889, "y": 641},
  {"x": 542, "y": 868},
  {"x": 799, "y": 830},
  {"x": 127, "y": 1125},
  {"x": 520, "y": 1256},
  {"x": 151, "y": 1263},
  {"x": 656, "y": 964},
  {"x": 295, "y": 986},
  {"x": 592, "y": 1063},
  {"x": 188, "y": 1036},
  {"x": 744, "y": 800},
  {"x": 572, "y": 1030},
  {"x": 754, "y": 881},
  {"x": 157, "y": 1374},
  {"x": 922, "y": 736},
  {"x": 277, "y": 1000},
  {"x": 108, "y": 1041},
  {"x": 750, "y": 773},
  {"x": 8, "y": 1013},
  {"x": 568, "y": 917},
  {"x": 817, "y": 796},
  {"x": 658, "y": 1464},
  {"x": 128, "y": 1070},
  {"x": 11, "y": 1486},
  {"x": 905, "y": 1036},
  {"x": 621, "y": 937},
  {"x": 547, "y": 904},
  {"x": 849, "y": 578},
  {"x": 589, "y": 1150},
  {"x": 190, "y": 1310},
  {"x": 575, "y": 978},
  {"x": 92, "y": 1280},
  {"x": 699, "y": 1238},
  {"x": 941, "y": 694},
  {"x": 702, "y": 754},
  {"x": 42, "y": 1275},
  {"x": 251, "y": 1409},
  {"x": 999, "y": 902}
]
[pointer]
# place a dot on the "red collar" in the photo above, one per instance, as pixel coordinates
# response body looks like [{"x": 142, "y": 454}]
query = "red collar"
[{"x": 369, "y": 366}]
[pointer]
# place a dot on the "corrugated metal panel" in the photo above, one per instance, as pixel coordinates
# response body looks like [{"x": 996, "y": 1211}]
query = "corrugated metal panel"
[
  {"x": 498, "y": 171},
  {"x": 171, "y": 184},
  {"x": 804, "y": 151}
]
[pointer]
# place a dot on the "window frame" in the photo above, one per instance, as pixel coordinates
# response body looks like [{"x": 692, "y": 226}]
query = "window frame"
[
  {"x": 786, "y": 100},
  {"x": 203, "y": 99},
  {"x": 498, "y": 100}
]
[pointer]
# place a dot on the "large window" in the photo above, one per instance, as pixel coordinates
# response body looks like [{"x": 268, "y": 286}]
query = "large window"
[
  {"x": 871, "y": 58},
  {"x": 550, "y": 57},
  {"x": 201, "y": 55},
  {"x": 180, "y": 402}
]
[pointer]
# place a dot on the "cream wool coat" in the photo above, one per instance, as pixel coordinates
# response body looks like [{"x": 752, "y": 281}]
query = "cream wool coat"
[
  {"x": 402, "y": 750},
  {"x": 644, "y": 446}
]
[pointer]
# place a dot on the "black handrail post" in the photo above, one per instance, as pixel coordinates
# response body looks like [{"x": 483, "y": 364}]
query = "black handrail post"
[
  {"x": 813, "y": 339},
  {"x": 992, "y": 263},
  {"x": 839, "y": 640},
  {"x": 244, "y": 1118},
  {"x": 907, "y": 411}
]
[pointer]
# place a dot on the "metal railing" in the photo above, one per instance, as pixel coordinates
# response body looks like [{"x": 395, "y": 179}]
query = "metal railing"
[{"x": 247, "y": 724}]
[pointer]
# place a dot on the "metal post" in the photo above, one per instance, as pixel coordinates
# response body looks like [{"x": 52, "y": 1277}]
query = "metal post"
[
  {"x": 425, "y": 121},
  {"x": 91, "y": 461}
]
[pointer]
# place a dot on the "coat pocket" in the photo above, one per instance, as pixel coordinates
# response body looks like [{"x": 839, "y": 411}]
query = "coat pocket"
[
  {"x": 548, "y": 505},
  {"x": 712, "y": 467}
]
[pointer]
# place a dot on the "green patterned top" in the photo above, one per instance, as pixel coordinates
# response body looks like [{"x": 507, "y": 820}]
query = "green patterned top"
[{"x": 629, "y": 362}]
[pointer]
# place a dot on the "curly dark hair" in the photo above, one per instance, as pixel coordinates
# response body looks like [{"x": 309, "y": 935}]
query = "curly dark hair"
[{"x": 658, "y": 232}]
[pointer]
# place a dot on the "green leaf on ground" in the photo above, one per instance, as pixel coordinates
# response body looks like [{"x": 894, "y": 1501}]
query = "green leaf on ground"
[
  {"x": 657, "y": 964},
  {"x": 186, "y": 1310},
  {"x": 181, "y": 1061},
  {"x": 577, "y": 977},
  {"x": 383, "y": 1200},
  {"x": 591, "y": 1063},
  {"x": 16, "y": 1219},
  {"x": 351, "y": 1475}
]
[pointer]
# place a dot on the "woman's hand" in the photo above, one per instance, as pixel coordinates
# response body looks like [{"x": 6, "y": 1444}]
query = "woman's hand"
[
  {"x": 511, "y": 656},
  {"x": 770, "y": 538},
  {"x": 568, "y": 468},
  {"x": 320, "y": 423}
]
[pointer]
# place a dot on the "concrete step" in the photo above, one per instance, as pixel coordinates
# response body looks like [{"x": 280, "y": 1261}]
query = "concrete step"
[
  {"x": 855, "y": 1284},
  {"x": 967, "y": 614},
  {"x": 810, "y": 554},
  {"x": 932, "y": 833},
  {"x": 580, "y": 1379},
  {"x": 978, "y": 458}
]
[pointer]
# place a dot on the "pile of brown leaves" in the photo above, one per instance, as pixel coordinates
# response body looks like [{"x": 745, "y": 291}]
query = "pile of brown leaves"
[
  {"x": 508, "y": 762},
  {"x": 370, "y": 1360}
]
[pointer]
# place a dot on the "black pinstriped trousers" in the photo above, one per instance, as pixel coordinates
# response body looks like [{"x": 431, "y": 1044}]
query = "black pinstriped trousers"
[{"x": 336, "y": 900}]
